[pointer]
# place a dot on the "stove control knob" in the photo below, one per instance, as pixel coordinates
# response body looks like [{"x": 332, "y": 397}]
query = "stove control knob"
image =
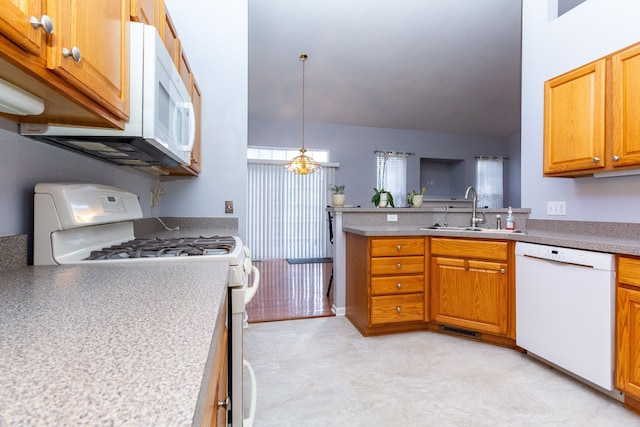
[
  {"x": 247, "y": 265},
  {"x": 247, "y": 252}
]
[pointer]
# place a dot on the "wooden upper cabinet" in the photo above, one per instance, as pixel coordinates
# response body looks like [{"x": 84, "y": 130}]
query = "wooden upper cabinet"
[
  {"x": 89, "y": 49},
  {"x": 625, "y": 78},
  {"x": 169, "y": 34},
  {"x": 144, "y": 11},
  {"x": 590, "y": 117},
  {"x": 15, "y": 24},
  {"x": 574, "y": 120}
]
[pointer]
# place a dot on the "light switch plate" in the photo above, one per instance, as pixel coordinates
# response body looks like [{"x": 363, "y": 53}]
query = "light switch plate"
[
  {"x": 557, "y": 208},
  {"x": 392, "y": 217}
]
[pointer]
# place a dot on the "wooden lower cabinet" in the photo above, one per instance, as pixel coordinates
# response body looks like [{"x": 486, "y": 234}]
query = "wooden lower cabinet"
[
  {"x": 386, "y": 283},
  {"x": 473, "y": 287},
  {"x": 214, "y": 414},
  {"x": 456, "y": 285},
  {"x": 628, "y": 330}
]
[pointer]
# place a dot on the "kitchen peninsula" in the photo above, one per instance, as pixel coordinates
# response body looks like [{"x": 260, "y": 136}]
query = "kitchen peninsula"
[{"x": 108, "y": 344}]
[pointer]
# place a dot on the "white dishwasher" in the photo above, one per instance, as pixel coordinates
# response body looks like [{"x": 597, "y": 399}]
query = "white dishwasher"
[{"x": 565, "y": 304}]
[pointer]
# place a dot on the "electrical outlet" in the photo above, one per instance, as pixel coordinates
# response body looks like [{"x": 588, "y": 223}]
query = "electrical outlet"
[
  {"x": 393, "y": 218},
  {"x": 228, "y": 207},
  {"x": 556, "y": 208}
]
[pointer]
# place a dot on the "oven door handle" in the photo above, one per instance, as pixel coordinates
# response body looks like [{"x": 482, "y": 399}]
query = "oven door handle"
[
  {"x": 250, "y": 292},
  {"x": 248, "y": 422}
]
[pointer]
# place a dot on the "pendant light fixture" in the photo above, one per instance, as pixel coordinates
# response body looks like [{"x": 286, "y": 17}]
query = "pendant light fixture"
[{"x": 302, "y": 164}]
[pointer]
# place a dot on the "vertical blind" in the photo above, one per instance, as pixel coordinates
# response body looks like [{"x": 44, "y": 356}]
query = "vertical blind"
[{"x": 286, "y": 215}]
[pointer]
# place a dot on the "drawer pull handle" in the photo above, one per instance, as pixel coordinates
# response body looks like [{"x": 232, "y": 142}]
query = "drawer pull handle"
[
  {"x": 596, "y": 159},
  {"x": 399, "y": 266},
  {"x": 226, "y": 404},
  {"x": 399, "y": 285},
  {"x": 615, "y": 158},
  {"x": 399, "y": 247},
  {"x": 502, "y": 271},
  {"x": 398, "y": 309}
]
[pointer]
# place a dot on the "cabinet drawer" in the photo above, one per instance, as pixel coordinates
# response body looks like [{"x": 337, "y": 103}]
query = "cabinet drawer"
[
  {"x": 397, "y": 246},
  {"x": 629, "y": 271},
  {"x": 389, "y": 285},
  {"x": 397, "y": 308},
  {"x": 397, "y": 265},
  {"x": 479, "y": 249}
]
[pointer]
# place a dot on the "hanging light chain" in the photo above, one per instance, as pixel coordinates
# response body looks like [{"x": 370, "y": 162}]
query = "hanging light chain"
[{"x": 303, "y": 58}]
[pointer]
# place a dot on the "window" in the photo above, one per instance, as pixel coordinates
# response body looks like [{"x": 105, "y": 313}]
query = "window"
[
  {"x": 391, "y": 169},
  {"x": 286, "y": 215},
  {"x": 489, "y": 181}
]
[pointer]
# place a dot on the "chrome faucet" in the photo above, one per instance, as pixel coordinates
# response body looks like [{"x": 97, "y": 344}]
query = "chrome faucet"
[{"x": 474, "y": 220}]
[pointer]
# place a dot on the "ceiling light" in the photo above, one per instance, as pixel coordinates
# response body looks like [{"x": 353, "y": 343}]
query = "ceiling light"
[{"x": 302, "y": 164}]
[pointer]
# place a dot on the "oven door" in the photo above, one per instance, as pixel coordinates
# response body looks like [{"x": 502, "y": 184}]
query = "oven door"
[{"x": 240, "y": 296}]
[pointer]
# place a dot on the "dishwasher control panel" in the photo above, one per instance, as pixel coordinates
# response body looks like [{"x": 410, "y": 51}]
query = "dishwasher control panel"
[{"x": 598, "y": 260}]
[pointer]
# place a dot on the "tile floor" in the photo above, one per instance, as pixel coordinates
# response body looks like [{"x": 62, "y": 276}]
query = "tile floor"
[{"x": 322, "y": 372}]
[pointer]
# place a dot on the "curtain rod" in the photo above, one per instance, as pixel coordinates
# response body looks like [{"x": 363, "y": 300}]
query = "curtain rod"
[
  {"x": 394, "y": 152},
  {"x": 492, "y": 158}
]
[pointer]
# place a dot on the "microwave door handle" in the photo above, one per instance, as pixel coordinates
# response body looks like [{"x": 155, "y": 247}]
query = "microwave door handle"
[{"x": 192, "y": 124}]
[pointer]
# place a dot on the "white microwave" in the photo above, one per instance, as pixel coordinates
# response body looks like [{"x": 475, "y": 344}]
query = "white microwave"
[{"x": 161, "y": 128}]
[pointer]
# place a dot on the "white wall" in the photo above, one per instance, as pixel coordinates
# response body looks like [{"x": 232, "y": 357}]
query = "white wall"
[
  {"x": 214, "y": 34},
  {"x": 353, "y": 147},
  {"x": 25, "y": 162},
  {"x": 551, "y": 47}
]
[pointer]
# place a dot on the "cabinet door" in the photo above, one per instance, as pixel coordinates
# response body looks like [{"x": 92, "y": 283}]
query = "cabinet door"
[
  {"x": 97, "y": 31},
  {"x": 168, "y": 34},
  {"x": 144, "y": 11},
  {"x": 470, "y": 294},
  {"x": 16, "y": 26},
  {"x": 625, "y": 77},
  {"x": 574, "y": 120},
  {"x": 628, "y": 341}
]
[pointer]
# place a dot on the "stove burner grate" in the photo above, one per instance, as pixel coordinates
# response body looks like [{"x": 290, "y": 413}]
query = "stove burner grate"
[{"x": 159, "y": 247}]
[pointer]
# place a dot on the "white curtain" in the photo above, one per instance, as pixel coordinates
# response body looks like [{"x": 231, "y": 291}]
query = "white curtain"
[
  {"x": 392, "y": 175},
  {"x": 489, "y": 181},
  {"x": 286, "y": 215}
]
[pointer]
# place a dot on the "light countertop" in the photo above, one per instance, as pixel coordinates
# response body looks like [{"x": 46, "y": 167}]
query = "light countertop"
[
  {"x": 600, "y": 237},
  {"x": 107, "y": 344}
]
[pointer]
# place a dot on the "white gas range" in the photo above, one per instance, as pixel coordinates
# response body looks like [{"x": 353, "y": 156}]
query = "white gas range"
[{"x": 93, "y": 223}]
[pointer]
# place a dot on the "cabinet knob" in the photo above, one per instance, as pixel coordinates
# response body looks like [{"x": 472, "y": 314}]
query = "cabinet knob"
[
  {"x": 502, "y": 271},
  {"x": 596, "y": 159},
  {"x": 399, "y": 266},
  {"x": 399, "y": 247},
  {"x": 74, "y": 53},
  {"x": 226, "y": 404},
  {"x": 398, "y": 309},
  {"x": 45, "y": 23},
  {"x": 615, "y": 158},
  {"x": 399, "y": 285}
]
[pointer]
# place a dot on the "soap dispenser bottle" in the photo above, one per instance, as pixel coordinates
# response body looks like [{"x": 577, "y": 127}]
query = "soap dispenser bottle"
[{"x": 510, "y": 223}]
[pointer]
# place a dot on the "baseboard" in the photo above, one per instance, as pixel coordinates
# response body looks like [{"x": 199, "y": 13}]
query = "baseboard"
[{"x": 338, "y": 311}]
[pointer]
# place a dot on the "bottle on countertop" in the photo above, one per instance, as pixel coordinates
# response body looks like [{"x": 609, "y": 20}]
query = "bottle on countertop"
[
  {"x": 510, "y": 223},
  {"x": 498, "y": 222}
]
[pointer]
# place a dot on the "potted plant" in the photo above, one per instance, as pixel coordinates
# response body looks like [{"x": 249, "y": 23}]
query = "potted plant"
[
  {"x": 414, "y": 199},
  {"x": 382, "y": 198},
  {"x": 338, "y": 195}
]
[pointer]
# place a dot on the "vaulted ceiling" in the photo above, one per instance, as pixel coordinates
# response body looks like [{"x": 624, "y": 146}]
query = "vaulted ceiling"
[{"x": 431, "y": 65}]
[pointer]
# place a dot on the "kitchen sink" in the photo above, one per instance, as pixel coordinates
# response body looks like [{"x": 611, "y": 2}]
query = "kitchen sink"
[{"x": 476, "y": 229}]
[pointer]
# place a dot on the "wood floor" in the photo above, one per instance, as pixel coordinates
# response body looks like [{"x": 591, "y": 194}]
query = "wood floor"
[{"x": 290, "y": 291}]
